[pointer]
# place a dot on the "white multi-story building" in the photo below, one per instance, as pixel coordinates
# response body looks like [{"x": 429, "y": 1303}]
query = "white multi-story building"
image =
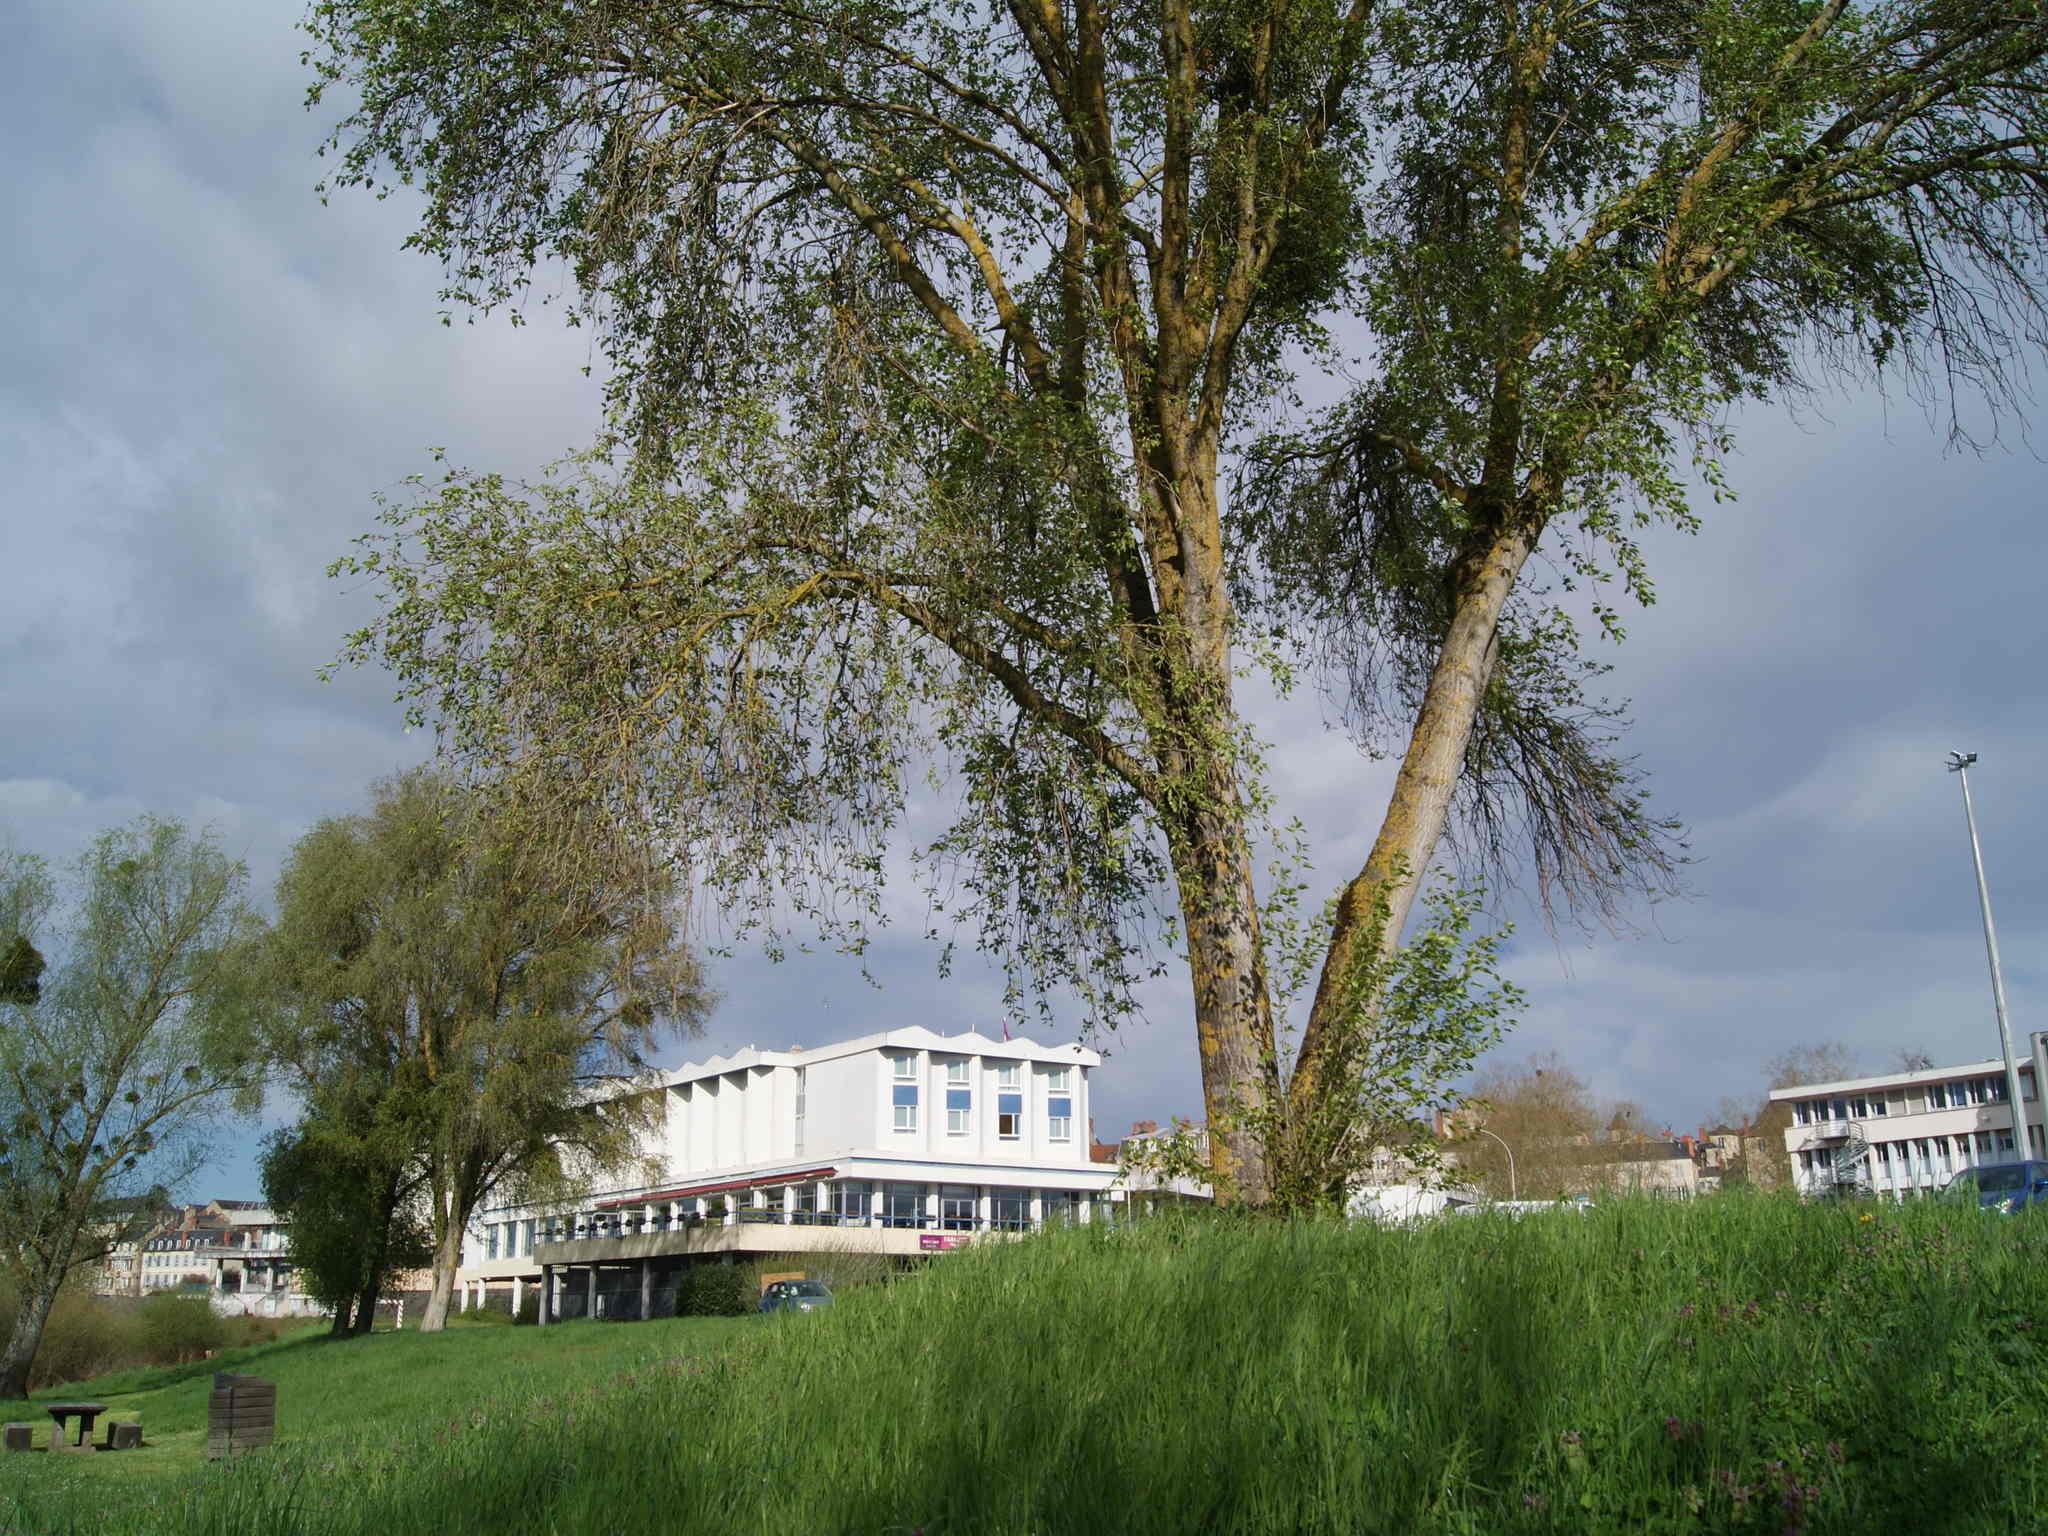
[
  {"x": 898, "y": 1143},
  {"x": 1922, "y": 1128}
]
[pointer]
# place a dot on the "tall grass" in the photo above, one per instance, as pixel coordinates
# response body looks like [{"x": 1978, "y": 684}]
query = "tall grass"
[{"x": 1735, "y": 1364}]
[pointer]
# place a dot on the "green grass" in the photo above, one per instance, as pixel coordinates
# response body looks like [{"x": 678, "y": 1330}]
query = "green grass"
[
  {"x": 347, "y": 1402},
  {"x": 1728, "y": 1365}
]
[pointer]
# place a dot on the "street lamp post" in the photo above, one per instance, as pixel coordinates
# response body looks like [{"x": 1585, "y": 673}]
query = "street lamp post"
[
  {"x": 1959, "y": 765},
  {"x": 1482, "y": 1130}
]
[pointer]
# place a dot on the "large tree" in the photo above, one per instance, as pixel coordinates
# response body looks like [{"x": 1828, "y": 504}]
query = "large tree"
[
  {"x": 354, "y": 1219},
  {"x": 475, "y": 1007},
  {"x": 144, "y": 1030},
  {"x": 934, "y": 331}
]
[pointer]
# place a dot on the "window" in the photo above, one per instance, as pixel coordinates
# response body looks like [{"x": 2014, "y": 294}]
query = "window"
[
  {"x": 526, "y": 1240},
  {"x": 903, "y": 1205},
  {"x": 958, "y": 1208},
  {"x": 1937, "y": 1096},
  {"x": 1062, "y": 1207},
  {"x": 803, "y": 1209},
  {"x": 1994, "y": 1089},
  {"x": 491, "y": 1241},
  {"x": 1012, "y": 1209},
  {"x": 1059, "y": 1118},
  {"x": 959, "y": 1111},
  {"x": 956, "y": 1073},
  {"x": 906, "y": 1068},
  {"x": 801, "y": 1087},
  {"x": 1056, "y": 1080},
  {"x": 1009, "y": 1116},
  {"x": 850, "y": 1199},
  {"x": 1010, "y": 1075},
  {"x": 904, "y": 1100},
  {"x": 1802, "y": 1112}
]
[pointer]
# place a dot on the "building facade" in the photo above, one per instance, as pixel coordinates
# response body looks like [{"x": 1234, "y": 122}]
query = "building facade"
[
  {"x": 1908, "y": 1133},
  {"x": 894, "y": 1144},
  {"x": 225, "y": 1248}
]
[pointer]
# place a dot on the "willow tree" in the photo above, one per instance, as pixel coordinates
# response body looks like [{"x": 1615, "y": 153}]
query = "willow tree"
[
  {"x": 470, "y": 1011},
  {"x": 935, "y": 331}
]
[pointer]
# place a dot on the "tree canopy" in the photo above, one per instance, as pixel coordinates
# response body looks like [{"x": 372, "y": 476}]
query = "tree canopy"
[{"x": 958, "y": 352}]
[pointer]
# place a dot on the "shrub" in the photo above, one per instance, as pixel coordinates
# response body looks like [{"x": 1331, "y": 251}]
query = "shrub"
[
  {"x": 173, "y": 1330},
  {"x": 715, "y": 1290},
  {"x": 84, "y": 1336},
  {"x": 529, "y": 1309},
  {"x": 486, "y": 1315}
]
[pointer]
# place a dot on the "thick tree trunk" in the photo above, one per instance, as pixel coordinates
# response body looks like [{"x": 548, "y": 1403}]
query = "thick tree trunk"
[
  {"x": 1421, "y": 802},
  {"x": 1233, "y": 1009},
  {"x": 447, "y": 1259},
  {"x": 340, "y": 1328},
  {"x": 31, "y": 1313}
]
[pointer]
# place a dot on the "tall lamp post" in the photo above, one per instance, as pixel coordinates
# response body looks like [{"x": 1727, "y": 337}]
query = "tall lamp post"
[
  {"x": 1959, "y": 765},
  {"x": 1482, "y": 1130}
]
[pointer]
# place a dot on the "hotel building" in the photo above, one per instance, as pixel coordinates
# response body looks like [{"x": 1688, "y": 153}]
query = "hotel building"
[{"x": 897, "y": 1144}]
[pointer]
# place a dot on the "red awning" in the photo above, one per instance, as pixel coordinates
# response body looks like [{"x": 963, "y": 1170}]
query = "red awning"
[{"x": 684, "y": 1191}]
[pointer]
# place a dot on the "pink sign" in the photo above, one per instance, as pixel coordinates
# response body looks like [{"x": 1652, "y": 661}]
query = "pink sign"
[{"x": 932, "y": 1242}]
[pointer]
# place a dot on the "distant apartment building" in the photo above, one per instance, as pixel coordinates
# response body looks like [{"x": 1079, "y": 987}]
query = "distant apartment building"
[
  {"x": 1905, "y": 1133},
  {"x": 901, "y": 1143},
  {"x": 223, "y": 1248}
]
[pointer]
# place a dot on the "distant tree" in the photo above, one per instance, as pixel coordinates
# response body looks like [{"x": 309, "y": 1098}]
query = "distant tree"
[
  {"x": 1764, "y": 1162},
  {"x": 494, "y": 998},
  {"x": 1546, "y": 1116},
  {"x": 145, "y": 1031},
  {"x": 939, "y": 331},
  {"x": 1912, "y": 1059}
]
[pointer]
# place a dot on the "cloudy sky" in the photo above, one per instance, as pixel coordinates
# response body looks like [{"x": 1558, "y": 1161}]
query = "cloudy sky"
[{"x": 207, "y": 376}]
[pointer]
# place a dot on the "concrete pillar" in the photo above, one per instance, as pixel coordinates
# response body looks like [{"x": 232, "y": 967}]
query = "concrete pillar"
[
  {"x": 984, "y": 1208},
  {"x": 547, "y": 1292},
  {"x": 646, "y": 1289},
  {"x": 515, "y": 1295},
  {"x": 590, "y": 1295},
  {"x": 824, "y": 1198},
  {"x": 1037, "y": 1208}
]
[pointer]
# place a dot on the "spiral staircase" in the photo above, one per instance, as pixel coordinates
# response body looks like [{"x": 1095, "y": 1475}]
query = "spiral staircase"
[{"x": 1850, "y": 1163}]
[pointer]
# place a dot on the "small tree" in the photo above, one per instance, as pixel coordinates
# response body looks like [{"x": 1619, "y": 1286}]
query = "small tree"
[
  {"x": 143, "y": 1033},
  {"x": 354, "y": 1220}
]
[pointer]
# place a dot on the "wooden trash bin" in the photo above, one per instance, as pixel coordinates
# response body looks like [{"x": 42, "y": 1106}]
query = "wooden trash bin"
[
  {"x": 241, "y": 1414},
  {"x": 21, "y": 1437}
]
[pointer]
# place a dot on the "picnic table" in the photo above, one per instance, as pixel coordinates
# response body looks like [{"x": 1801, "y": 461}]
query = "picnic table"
[{"x": 85, "y": 1413}]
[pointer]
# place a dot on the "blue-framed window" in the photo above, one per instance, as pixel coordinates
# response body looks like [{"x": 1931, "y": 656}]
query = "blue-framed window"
[
  {"x": 903, "y": 1098},
  {"x": 1009, "y": 1116},
  {"x": 959, "y": 1111}
]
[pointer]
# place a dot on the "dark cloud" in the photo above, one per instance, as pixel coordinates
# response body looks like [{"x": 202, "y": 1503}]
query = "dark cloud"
[{"x": 208, "y": 375}]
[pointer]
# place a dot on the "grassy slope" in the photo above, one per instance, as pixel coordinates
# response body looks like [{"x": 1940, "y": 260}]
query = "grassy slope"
[
  {"x": 1730, "y": 1365},
  {"x": 348, "y": 1402}
]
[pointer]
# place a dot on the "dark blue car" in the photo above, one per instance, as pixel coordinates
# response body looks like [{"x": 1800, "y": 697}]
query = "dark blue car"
[{"x": 2001, "y": 1187}]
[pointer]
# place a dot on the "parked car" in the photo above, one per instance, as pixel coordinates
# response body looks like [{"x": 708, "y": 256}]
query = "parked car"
[
  {"x": 796, "y": 1296},
  {"x": 2001, "y": 1187}
]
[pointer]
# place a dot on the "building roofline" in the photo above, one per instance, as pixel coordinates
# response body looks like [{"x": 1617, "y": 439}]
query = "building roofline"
[
  {"x": 1896, "y": 1079},
  {"x": 913, "y": 1036}
]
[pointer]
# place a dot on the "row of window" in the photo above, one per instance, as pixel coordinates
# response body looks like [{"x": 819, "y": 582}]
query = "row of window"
[
  {"x": 1961, "y": 1093},
  {"x": 1854, "y": 1107},
  {"x": 905, "y": 1091},
  {"x": 952, "y": 1208},
  {"x": 1927, "y": 1158}
]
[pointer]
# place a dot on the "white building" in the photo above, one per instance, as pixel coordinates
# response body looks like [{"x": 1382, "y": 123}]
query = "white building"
[
  {"x": 1922, "y": 1128},
  {"x": 899, "y": 1143}
]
